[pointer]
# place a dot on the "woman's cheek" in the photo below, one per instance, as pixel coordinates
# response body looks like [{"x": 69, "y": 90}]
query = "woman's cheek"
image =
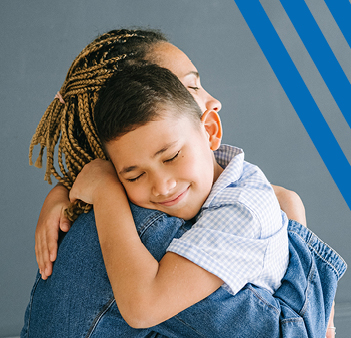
[{"x": 200, "y": 102}]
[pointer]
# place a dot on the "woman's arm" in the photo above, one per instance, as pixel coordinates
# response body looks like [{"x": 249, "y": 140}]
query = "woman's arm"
[
  {"x": 51, "y": 220},
  {"x": 147, "y": 292},
  {"x": 291, "y": 203}
]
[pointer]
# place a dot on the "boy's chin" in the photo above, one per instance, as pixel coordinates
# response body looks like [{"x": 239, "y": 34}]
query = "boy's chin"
[
  {"x": 185, "y": 215},
  {"x": 181, "y": 213}
]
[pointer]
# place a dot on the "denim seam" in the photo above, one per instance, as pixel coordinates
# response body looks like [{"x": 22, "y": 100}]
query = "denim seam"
[
  {"x": 149, "y": 221},
  {"x": 99, "y": 316},
  {"x": 263, "y": 300},
  {"x": 292, "y": 320},
  {"x": 311, "y": 275},
  {"x": 331, "y": 265},
  {"x": 312, "y": 271},
  {"x": 153, "y": 219},
  {"x": 189, "y": 326},
  {"x": 31, "y": 303}
]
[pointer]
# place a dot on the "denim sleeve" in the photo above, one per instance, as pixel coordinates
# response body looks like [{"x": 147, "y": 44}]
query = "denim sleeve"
[
  {"x": 77, "y": 300},
  {"x": 299, "y": 308},
  {"x": 309, "y": 285}
]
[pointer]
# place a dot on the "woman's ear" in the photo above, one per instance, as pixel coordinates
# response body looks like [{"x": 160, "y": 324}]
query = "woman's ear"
[{"x": 213, "y": 127}]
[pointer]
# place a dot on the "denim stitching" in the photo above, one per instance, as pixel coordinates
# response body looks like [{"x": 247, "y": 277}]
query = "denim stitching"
[
  {"x": 263, "y": 300},
  {"x": 339, "y": 273},
  {"x": 31, "y": 303},
  {"x": 99, "y": 316},
  {"x": 155, "y": 217},
  {"x": 149, "y": 221},
  {"x": 312, "y": 248},
  {"x": 292, "y": 320},
  {"x": 186, "y": 324},
  {"x": 311, "y": 275}
]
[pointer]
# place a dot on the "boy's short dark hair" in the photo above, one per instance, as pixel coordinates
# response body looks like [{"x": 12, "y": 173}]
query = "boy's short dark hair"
[{"x": 137, "y": 95}]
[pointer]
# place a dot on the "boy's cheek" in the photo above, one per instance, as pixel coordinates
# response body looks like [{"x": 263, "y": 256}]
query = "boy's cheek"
[
  {"x": 135, "y": 195},
  {"x": 129, "y": 191}
]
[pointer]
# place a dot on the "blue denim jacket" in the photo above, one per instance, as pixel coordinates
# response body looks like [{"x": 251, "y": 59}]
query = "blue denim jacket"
[{"x": 77, "y": 300}]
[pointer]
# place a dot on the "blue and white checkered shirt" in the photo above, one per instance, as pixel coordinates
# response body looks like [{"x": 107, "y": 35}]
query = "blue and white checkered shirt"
[{"x": 240, "y": 234}]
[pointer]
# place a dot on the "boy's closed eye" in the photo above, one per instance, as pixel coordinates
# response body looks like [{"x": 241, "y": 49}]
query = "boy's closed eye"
[
  {"x": 134, "y": 179},
  {"x": 173, "y": 157}
]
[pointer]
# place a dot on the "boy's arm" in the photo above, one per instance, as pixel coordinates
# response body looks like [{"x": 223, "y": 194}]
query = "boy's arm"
[
  {"x": 147, "y": 292},
  {"x": 51, "y": 220}
]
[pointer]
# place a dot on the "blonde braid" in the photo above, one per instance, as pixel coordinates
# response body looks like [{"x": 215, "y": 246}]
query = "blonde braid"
[{"x": 70, "y": 125}]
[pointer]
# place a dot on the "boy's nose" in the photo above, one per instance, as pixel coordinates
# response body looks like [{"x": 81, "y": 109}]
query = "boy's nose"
[{"x": 163, "y": 186}]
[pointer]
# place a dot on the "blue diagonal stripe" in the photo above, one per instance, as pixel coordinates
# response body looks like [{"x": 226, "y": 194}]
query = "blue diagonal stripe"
[
  {"x": 321, "y": 54},
  {"x": 298, "y": 94},
  {"x": 341, "y": 11}
]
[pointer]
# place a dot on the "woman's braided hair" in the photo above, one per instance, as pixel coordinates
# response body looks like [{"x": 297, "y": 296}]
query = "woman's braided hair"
[{"x": 68, "y": 122}]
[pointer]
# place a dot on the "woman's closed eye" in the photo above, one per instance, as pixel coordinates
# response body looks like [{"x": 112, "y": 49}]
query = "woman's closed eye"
[{"x": 194, "y": 88}]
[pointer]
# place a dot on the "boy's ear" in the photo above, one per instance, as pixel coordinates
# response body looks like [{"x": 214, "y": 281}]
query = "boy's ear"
[{"x": 213, "y": 127}]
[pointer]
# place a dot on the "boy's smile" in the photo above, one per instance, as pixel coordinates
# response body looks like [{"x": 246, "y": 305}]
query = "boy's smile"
[
  {"x": 175, "y": 198},
  {"x": 166, "y": 164}
]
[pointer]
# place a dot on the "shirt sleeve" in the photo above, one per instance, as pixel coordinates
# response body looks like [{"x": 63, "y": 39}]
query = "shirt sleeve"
[{"x": 225, "y": 241}]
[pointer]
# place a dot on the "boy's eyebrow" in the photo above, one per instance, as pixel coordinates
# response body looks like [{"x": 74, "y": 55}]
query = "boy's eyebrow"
[
  {"x": 128, "y": 169},
  {"x": 159, "y": 152},
  {"x": 166, "y": 147}
]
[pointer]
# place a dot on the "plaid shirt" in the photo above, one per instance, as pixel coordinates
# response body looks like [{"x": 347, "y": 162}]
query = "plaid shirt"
[{"x": 240, "y": 234}]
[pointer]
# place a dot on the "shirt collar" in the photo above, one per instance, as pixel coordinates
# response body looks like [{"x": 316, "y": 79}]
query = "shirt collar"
[{"x": 231, "y": 159}]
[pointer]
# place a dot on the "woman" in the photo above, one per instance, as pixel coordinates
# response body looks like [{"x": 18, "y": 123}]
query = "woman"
[{"x": 77, "y": 300}]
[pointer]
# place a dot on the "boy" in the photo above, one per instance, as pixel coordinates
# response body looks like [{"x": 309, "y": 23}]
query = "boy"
[{"x": 162, "y": 151}]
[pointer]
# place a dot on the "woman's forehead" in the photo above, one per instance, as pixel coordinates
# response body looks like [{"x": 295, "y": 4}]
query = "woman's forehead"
[{"x": 169, "y": 56}]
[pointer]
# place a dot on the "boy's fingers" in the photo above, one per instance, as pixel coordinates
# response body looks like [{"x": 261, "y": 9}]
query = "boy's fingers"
[
  {"x": 44, "y": 243},
  {"x": 52, "y": 238},
  {"x": 43, "y": 276},
  {"x": 65, "y": 226},
  {"x": 65, "y": 223},
  {"x": 39, "y": 252},
  {"x": 38, "y": 256},
  {"x": 41, "y": 264},
  {"x": 46, "y": 260},
  {"x": 71, "y": 196},
  {"x": 52, "y": 247},
  {"x": 48, "y": 269}
]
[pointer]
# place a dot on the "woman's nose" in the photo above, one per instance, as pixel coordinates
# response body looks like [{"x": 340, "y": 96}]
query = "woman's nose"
[{"x": 212, "y": 103}]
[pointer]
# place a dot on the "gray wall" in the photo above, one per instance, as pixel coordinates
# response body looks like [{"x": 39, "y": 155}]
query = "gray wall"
[{"x": 40, "y": 39}]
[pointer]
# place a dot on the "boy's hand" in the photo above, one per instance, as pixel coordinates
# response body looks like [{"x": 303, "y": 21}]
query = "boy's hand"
[
  {"x": 96, "y": 175},
  {"x": 51, "y": 219}
]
